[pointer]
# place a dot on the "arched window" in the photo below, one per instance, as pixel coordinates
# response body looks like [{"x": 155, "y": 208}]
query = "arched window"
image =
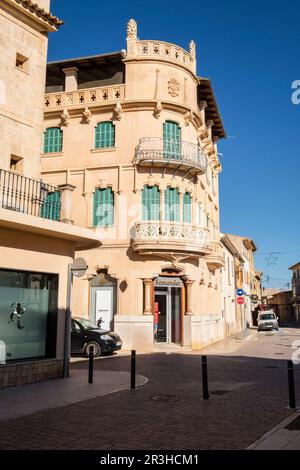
[
  {"x": 187, "y": 208},
  {"x": 172, "y": 205},
  {"x": 151, "y": 203},
  {"x": 103, "y": 207},
  {"x": 104, "y": 135},
  {"x": 50, "y": 208},
  {"x": 53, "y": 140},
  {"x": 172, "y": 140}
]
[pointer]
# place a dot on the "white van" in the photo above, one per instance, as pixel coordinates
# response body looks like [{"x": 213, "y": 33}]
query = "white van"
[{"x": 267, "y": 320}]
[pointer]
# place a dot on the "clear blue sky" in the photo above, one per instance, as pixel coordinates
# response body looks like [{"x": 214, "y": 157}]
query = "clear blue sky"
[{"x": 250, "y": 50}]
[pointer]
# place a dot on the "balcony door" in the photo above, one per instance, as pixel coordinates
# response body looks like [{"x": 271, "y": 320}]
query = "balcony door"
[{"x": 172, "y": 140}]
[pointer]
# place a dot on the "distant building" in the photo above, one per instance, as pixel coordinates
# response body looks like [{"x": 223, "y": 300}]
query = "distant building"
[
  {"x": 250, "y": 279},
  {"x": 296, "y": 290},
  {"x": 231, "y": 281}
]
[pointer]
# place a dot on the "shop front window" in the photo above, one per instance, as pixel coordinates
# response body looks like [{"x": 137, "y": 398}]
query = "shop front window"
[{"x": 28, "y": 314}]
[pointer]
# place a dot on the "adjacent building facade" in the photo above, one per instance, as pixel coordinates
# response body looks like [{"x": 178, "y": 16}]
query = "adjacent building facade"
[
  {"x": 296, "y": 290},
  {"x": 36, "y": 248},
  {"x": 135, "y": 133}
]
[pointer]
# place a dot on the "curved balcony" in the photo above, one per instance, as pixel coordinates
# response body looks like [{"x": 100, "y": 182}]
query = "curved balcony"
[
  {"x": 159, "y": 152},
  {"x": 216, "y": 258},
  {"x": 167, "y": 237}
]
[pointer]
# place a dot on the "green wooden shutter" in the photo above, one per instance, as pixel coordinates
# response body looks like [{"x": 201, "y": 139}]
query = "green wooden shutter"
[
  {"x": 103, "y": 208},
  {"x": 50, "y": 208},
  {"x": 53, "y": 140},
  {"x": 172, "y": 205},
  {"x": 105, "y": 135},
  {"x": 187, "y": 208},
  {"x": 150, "y": 203},
  {"x": 172, "y": 140}
]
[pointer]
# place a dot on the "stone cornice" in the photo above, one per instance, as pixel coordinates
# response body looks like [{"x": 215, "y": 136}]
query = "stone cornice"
[{"x": 31, "y": 9}]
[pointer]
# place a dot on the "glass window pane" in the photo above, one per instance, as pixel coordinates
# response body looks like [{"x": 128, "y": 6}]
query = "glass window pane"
[{"x": 28, "y": 314}]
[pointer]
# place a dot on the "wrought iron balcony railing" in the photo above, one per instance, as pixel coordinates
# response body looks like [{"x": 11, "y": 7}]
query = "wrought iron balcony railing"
[
  {"x": 29, "y": 196},
  {"x": 158, "y": 151}
]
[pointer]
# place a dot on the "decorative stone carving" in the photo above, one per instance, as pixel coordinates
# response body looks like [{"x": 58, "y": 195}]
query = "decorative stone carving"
[
  {"x": 209, "y": 124},
  {"x": 118, "y": 111},
  {"x": 173, "y": 87},
  {"x": 192, "y": 48},
  {"x": 188, "y": 118},
  {"x": 158, "y": 109},
  {"x": 87, "y": 115},
  {"x": 202, "y": 105},
  {"x": 65, "y": 118},
  {"x": 132, "y": 29}
]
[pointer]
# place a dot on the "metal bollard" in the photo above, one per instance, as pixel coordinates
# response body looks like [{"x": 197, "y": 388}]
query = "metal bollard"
[
  {"x": 292, "y": 397},
  {"x": 133, "y": 369},
  {"x": 204, "y": 378},
  {"x": 91, "y": 364}
]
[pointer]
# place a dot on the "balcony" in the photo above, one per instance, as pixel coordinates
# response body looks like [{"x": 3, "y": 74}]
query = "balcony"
[
  {"x": 81, "y": 98},
  {"x": 159, "y": 152},
  {"x": 170, "y": 237},
  {"x": 29, "y": 196},
  {"x": 215, "y": 260}
]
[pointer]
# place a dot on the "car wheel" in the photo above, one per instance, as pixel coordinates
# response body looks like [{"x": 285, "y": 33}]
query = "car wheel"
[{"x": 96, "y": 346}]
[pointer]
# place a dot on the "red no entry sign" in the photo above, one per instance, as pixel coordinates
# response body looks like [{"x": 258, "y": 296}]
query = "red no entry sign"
[{"x": 240, "y": 300}]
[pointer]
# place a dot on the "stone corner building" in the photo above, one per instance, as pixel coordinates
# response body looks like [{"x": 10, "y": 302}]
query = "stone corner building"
[
  {"x": 35, "y": 247},
  {"x": 135, "y": 132}
]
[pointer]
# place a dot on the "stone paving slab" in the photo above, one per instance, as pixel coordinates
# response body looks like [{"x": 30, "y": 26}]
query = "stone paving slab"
[
  {"x": 280, "y": 437},
  {"x": 27, "y": 399}
]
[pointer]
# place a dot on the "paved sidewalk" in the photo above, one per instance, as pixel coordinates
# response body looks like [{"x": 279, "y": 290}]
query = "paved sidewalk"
[
  {"x": 28, "y": 399},
  {"x": 284, "y": 436},
  {"x": 248, "y": 397}
]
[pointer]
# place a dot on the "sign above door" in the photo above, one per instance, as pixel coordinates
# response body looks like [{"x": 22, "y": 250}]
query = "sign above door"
[{"x": 161, "y": 281}]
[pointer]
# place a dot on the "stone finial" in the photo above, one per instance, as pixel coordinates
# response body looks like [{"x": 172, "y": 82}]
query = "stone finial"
[
  {"x": 132, "y": 29},
  {"x": 192, "y": 48}
]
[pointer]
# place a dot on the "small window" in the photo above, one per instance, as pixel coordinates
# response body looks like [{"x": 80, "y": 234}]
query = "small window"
[
  {"x": 187, "y": 208},
  {"x": 51, "y": 206},
  {"x": 22, "y": 63},
  {"x": 104, "y": 135},
  {"x": 53, "y": 140},
  {"x": 103, "y": 210},
  {"x": 16, "y": 163},
  {"x": 150, "y": 203},
  {"x": 172, "y": 205}
]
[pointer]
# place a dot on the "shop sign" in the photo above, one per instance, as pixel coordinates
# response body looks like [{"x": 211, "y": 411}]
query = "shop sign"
[{"x": 168, "y": 282}]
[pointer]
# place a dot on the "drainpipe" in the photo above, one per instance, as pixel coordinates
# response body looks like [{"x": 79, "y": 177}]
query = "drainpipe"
[{"x": 67, "y": 347}]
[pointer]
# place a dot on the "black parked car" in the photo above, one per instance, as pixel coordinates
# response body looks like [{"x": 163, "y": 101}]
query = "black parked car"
[{"x": 85, "y": 334}]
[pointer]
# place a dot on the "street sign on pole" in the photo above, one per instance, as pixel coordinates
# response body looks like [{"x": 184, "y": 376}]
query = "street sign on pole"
[
  {"x": 240, "y": 300},
  {"x": 79, "y": 267},
  {"x": 240, "y": 292}
]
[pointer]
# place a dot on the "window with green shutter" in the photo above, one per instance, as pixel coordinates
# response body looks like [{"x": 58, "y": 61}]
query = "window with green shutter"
[
  {"x": 187, "y": 208},
  {"x": 104, "y": 135},
  {"x": 172, "y": 205},
  {"x": 151, "y": 203},
  {"x": 50, "y": 208},
  {"x": 103, "y": 208},
  {"x": 53, "y": 140},
  {"x": 172, "y": 140}
]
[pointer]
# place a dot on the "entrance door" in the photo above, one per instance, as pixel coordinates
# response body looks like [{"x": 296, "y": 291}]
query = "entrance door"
[
  {"x": 104, "y": 307},
  {"x": 167, "y": 315}
]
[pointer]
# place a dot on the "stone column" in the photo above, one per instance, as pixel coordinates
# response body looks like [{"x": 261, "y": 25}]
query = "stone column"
[
  {"x": 188, "y": 283},
  {"x": 147, "y": 296},
  {"x": 71, "y": 79},
  {"x": 66, "y": 202}
]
